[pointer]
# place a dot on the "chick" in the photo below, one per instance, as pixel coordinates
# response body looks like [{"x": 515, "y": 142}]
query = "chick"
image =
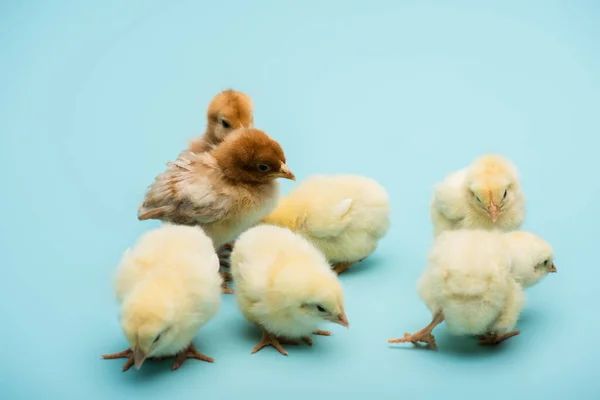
[
  {"x": 529, "y": 250},
  {"x": 225, "y": 191},
  {"x": 344, "y": 216},
  {"x": 472, "y": 284},
  {"x": 227, "y": 111},
  {"x": 168, "y": 287},
  {"x": 486, "y": 195},
  {"x": 285, "y": 286}
]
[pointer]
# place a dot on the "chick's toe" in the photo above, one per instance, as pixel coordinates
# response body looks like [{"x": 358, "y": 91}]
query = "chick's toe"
[
  {"x": 225, "y": 288},
  {"x": 491, "y": 338},
  {"x": 190, "y": 352},
  {"x": 269, "y": 339}
]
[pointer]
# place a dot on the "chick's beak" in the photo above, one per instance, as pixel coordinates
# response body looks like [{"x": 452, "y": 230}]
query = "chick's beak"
[
  {"x": 138, "y": 357},
  {"x": 553, "y": 268},
  {"x": 493, "y": 211},
  {"x": 285, "y": 172},
  {"x": 341, "y": 319}
]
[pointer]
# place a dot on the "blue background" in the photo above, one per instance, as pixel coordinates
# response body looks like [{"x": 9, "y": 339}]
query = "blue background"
[{"x": 96, "y": 96}]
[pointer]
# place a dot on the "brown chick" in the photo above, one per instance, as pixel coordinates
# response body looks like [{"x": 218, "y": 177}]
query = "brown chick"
[
  {"x": 225, "y": 191},
  {"x": 227, "y": 111}
]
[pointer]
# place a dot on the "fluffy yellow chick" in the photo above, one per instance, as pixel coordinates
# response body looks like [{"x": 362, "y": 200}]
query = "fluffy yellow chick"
[
  {"x": 529, "y": 250},
  {"x": 226, "y": 112},
  {"x": 168, "y": 286},
  {"x": 485, "y": 195},
  {"x": 343, "y": 215},
  {"x": 471, "y": 284},
  {"x": 285, "y": 286},
  {"x": 225, "y": 190}
]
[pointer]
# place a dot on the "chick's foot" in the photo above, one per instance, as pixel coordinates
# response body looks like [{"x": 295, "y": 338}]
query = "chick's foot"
[
  {"x": 424, "y": 335},
  {"x": 493, "y": 338},
  {"x": 190, "y": 352},
  {"x": 129, "y": 355},
  {"x": 226, "y": 289},
  {"x": 341, "y": 267},
  {"x": 269, "y": 339}
]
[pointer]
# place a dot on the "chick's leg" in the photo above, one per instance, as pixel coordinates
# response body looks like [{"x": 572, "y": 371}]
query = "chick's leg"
[
  {"x": 190, "y": 352},
  {"x": 424, "y": 335},
  {"x": 126, "y": 354},
  {"x": 341, "y": 267},
  {"x": 224, "y": 262},
  {"x": 269, "y": 339}
]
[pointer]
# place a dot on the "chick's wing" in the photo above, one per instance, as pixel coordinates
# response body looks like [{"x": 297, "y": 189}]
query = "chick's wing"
[{"x": 184, "y": 194}]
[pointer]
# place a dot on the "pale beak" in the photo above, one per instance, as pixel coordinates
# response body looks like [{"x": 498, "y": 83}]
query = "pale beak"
[
  {"x": 284, "y": 172},
  {"x": 138, "y": 357},
  {"x": 341, "y": 319},
  {"x": 493, "y": 211},
  {"x": 552, "y": 268}
]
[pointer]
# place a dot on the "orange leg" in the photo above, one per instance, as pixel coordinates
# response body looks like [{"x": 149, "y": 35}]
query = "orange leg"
[
  {"x": 493, "y": 339},
  {"x": 190, "y": 352},
  {"x": 424, "y": 335},
  {"x": 128, "y": 354}
]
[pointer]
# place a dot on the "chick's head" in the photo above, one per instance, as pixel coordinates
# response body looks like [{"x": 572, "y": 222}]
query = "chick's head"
[
  {"x": 316, "y": 297},
  {"x": 493, "y": 185},
  {"x": 148, "y": 324},
  {"x": 228, "y": 111},
  {"x": 250, "y": 155},
  {"x": 537, "y": 258}
]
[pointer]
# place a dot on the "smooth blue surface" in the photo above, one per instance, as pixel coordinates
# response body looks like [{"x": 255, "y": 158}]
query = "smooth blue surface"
[{"x": 96, "y": 96}]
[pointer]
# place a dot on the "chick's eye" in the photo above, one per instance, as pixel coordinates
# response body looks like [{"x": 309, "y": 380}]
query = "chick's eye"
[
  {"x": 505, "y": 193},
  {"x": 263, "y": 167},
  {"x": 225, "y": 124},
  {"x": 320, "y": 308},
  {"x": 156, "y": 339},
  {"x": 478, "y": 199}
]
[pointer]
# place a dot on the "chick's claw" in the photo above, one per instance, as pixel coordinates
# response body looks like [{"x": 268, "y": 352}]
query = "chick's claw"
[
  {"x": 270, "y": 340},
  {"x": 225, "y": 288},
  {"x": 190, "y": 352},
  {"x": 493, "y": 339},
  {"x": 322, "y": 333}
]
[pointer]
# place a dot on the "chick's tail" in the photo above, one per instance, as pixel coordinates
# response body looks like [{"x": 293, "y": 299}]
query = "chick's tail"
[
  {"x": 329, "y": 221},
  {"x": 470, "y": 304}
]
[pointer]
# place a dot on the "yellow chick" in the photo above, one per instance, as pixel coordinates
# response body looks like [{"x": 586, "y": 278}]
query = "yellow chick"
[
  {"x": 344, "y": 216},
  {"x": 472, "y": 283},
  {"x": 485, "y": 195},
  {"x": 168, "y": 286},
  {"x": 529, "y": 250},
  {"x": 227, "y": 111},
  {"x": 285, "y": 286}
]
